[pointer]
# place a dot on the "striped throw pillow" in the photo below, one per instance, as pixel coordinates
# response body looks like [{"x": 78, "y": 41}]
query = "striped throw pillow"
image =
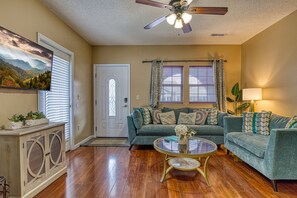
[
  {"x": 292, "y": 123},
  {"x": 146, "y": 115}
]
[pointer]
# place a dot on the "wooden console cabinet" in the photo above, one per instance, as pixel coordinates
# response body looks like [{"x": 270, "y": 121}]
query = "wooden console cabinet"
[{"x": 32, "y": 158}]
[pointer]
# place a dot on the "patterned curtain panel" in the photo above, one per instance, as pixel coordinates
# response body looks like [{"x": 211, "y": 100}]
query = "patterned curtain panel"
[
  {"x": 220, "y": 84},
  {"x": 156, "y": 82}
]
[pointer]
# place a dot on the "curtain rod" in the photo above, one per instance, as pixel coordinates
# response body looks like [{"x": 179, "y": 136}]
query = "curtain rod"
[{"x": 177, "y": 61}]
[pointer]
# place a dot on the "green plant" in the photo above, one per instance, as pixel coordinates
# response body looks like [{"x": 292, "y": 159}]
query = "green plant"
[
  {"x": 35, "y": 115},
  {"x": 17, "y": 118},
  {"x": 238, "y": 105}
]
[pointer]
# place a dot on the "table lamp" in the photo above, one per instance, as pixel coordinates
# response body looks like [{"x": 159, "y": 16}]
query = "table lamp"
[{"x": 252, "y": 94}]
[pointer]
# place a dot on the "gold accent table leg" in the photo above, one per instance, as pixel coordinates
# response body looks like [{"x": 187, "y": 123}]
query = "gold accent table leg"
[
  {"x": 165, "y": 171},
  {"x": 204, "y": 171}
]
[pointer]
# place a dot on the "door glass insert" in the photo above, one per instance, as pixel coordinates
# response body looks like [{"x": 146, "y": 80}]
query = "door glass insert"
[{"x": 112, "y": 97}]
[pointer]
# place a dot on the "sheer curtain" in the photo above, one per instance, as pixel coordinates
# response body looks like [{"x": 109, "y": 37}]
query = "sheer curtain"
[
  {"x": 220, "y": 88},
  {"x": 156, "y": 82}
]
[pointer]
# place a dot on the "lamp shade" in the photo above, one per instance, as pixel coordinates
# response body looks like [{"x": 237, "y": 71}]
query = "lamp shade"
[
  {"x": 252, "y": 94},
  {"x": 171, "y": 19}
]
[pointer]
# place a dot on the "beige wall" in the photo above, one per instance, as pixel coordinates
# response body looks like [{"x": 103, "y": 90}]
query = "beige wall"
[
  {"x": 140, "y": 72},
  {"x": 269, "y": 61},
  {"x": 27, "y": 18}
]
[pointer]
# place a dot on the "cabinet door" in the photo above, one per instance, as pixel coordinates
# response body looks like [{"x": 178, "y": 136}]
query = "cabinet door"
[
  {"x": 56, "y": 146},
  {"x": 35, "y": 160}
]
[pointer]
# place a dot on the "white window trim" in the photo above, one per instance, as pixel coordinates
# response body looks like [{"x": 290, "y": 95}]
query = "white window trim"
[{"x": 43, "y": 39}]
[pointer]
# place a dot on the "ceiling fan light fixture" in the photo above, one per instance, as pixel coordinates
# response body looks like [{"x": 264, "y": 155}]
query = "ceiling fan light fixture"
[
  {"x": 178, "y": 23},
  {"x": 171, "y": 19},
  {"x": 186, "y": 17}
]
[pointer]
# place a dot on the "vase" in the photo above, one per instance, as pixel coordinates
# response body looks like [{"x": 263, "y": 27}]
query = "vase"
[
  {"x": 183, "y": 139},
  {"x": 14, "y": 125}
]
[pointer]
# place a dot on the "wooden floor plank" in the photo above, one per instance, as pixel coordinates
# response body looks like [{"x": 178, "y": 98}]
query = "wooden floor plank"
[{"x": 117, "y": 172}]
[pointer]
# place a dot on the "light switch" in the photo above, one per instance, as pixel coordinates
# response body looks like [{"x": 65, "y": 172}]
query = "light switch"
[{"x": 137, "y": 97}]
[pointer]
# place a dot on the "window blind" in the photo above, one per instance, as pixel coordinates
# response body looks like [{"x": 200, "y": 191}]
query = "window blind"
[{"x": 56, "y": 103}]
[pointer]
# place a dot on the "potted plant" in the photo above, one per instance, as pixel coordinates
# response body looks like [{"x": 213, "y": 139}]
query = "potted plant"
[
  {"x": 35, "y": 118},
  {"x": 16, "y": 121},
  {"x": 238, "y": 105}
]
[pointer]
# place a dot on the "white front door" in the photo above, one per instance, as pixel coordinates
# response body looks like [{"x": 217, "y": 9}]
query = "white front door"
[{"x": 112, "y": 102}]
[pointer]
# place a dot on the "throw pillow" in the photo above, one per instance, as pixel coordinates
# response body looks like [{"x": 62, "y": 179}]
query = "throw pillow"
[
  {"x": 254, "y": 122},
  {"x": 146, "y": 114},
  {"x": 156, "y": 116},
  {"x": 187, "y": 118},
  {"x": 200, "y": 117},
  {"x": 168, "y": 118},
  {"x": 176, "y": 111},
  {"x": 212, "y": 117},
  {"x": 292, "y": 123},
  {"x": 137, "y": 119}
]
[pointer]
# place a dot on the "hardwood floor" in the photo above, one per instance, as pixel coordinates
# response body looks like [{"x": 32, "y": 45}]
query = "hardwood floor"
[{"x": 117, "y": 172}]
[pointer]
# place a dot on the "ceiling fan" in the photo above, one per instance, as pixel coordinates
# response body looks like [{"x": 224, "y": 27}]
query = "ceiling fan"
[{"x": 181, "y": 15}]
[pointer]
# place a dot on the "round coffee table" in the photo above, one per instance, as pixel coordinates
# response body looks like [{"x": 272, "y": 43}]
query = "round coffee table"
[{"x": 185, "y": 157}]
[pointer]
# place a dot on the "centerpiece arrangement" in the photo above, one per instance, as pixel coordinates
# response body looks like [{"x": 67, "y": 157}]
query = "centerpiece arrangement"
[
  {"x": 183, "y": 133},
  {"x": 31, "y": 119}
]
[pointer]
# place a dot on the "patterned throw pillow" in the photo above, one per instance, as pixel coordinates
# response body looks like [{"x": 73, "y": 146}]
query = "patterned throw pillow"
[
  {"x": 156, "y": 116},
  {"x": 292, "y": 123},
  {"x": 212, "y": 117},
  {"x": 254, "y": 122},
  {"x": 200, "y": 117},
  {"x": 146, "y": 114},
  {"x": 187, "y": 118},
  {"x": 168, "y": 118}
]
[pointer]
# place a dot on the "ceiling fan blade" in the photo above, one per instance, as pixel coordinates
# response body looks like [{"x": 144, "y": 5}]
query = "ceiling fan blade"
[
  {"x": 187, "y": 28},
  {"x": 155, "y": 22},
  {"x": 208, "y": 10},
  {"x": 154, "y": 3}
]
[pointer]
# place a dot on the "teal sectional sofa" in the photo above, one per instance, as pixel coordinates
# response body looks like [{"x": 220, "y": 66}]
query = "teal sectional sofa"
[
  {"x": 275, "y": 156},
  {"x": 139, "y": 134}
]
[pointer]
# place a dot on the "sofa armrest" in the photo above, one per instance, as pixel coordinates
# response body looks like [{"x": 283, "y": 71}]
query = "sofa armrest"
[
  {"x": 281, "y": 154},
  {"x": 221, "y": 116},
  {"x": 131, "y": 129},
  {"x": 232, "y": 124}
]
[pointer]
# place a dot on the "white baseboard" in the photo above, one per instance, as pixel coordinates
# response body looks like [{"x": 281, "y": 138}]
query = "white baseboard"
[{"x": 82, "y": 142}]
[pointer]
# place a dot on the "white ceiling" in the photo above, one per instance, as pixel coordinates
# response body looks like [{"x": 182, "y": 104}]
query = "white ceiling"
[{"x": 121, "y": 22}]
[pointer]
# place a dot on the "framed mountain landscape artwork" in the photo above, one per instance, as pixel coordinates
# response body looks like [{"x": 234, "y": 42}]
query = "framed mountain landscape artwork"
[{"x": 23, "y": 64}]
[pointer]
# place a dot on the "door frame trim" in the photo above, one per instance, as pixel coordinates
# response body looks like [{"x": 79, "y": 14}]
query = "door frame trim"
[
  {"x": 95, "y": 89},
  {"x": 43, "y": 39}
]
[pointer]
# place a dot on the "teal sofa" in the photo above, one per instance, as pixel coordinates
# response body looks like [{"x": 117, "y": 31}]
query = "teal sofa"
[
  {"x": 139, "y": 134},
  {"x": 275, "y": 156}
]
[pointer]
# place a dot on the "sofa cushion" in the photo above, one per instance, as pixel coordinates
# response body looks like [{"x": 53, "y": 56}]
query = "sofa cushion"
[
  {"x": 176, "y": 111},
  {"x": 186, "y": 118},
  {"x": 254, "y": 143},
  {"x": 156, "y": 130},
  {"x": 156, "y": 116},
  {"x": 201, "y": 117},
  {"x": 254, "y": 122},
  {"x": 278, "y": 121},
  {"x": 292, "y": 123},
  {"x": 146, "y": 115},
  {"x": 210, "y": 130},
  {"x": 164, "y": 130},
  {"x": 167, "y": 118},
  {"x": 137, "y": 119}
]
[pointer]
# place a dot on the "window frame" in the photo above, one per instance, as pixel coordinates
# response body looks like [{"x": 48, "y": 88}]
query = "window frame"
[
  {"x": 173, "y": 85},
  {"x": 192, "y": 85}
]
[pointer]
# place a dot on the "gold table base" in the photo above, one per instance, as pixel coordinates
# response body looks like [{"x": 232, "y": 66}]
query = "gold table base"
[{"x": 201, "y": 169}]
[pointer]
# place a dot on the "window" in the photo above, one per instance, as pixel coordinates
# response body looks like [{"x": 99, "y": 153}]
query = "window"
[
  {"x": 201, "y": 84},
  {"x": 56, "y": 103},
  {"x": 112, "y": 97},
  {"x": 172, "y": 84}
]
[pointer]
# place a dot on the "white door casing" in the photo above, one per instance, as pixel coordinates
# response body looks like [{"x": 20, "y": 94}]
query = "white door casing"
[{"x": 112, "y": 99}]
